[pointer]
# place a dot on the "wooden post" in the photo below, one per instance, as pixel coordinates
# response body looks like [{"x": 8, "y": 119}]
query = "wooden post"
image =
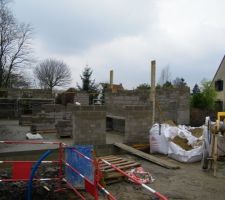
[
  {"x": 111, "y": 78},
  {"x": 152, "y": 95},
  {"x": 215, "y": 155}
]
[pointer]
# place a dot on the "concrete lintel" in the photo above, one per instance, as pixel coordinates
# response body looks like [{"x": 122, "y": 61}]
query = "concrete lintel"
[{"x": 115, "y": 117}]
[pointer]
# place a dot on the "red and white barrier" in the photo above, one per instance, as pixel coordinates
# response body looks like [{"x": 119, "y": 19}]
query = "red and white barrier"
[
  {"x": 28, "y": 142},
  {"x": 162, "y": 197},
  {"x": 37, "y": 179}
]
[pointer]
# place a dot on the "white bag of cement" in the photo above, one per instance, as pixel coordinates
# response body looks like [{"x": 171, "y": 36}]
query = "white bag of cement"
[
  {"x": 36, "y": 136},
  {"x": 158, "y": 141},
  {"x": 177, "y": 153}
]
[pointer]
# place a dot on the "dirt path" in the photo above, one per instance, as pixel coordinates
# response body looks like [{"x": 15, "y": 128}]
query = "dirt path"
[{"x": 187, "y": 183}]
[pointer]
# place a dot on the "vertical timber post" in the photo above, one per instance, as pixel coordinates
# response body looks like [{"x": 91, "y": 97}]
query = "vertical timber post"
[
  {"x": 111, "y": 78},
  {"x": 152, "y": 95}
]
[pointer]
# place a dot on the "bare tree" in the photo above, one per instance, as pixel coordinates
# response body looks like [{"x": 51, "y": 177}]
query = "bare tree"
[
  {"x": 18, "y": 81},
  {"x": 15, "y": 48},
  {"x": 165, "y": 75},
  {"x": 51, "y": 73}
]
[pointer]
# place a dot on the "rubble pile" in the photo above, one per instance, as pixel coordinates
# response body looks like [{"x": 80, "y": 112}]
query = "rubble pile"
[{"x": 44, "y": 190}]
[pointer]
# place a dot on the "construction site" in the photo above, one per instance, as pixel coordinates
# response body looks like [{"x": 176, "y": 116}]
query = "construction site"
[{"x": 137, "y": 145}]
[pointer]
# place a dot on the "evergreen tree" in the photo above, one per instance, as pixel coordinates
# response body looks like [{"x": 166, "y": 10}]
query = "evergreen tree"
[
  {"x": 196, "y": 89},
  {"x": 143, "y": 86},
  {"x": 167, "y": 84},
  {"x": 88, "y": 84}
]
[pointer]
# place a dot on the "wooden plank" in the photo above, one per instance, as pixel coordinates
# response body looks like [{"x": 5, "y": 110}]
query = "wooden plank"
[
  {"x": 114, "y": 180},
  {"x": 119, "y": 164},
  {"x": 148, "y": 157},
  {"x": 43, "y": 131},
  {"x": 114, "y": 163},
  {"x": 112, "y": 175},
  {"x": 112, "y": 159},
  {"x": 109, "y": 156},
  {"x": 124, "y": 167}
]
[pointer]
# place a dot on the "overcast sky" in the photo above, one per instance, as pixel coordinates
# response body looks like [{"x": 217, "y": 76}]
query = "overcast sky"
[{"x": 125, "y": 35}]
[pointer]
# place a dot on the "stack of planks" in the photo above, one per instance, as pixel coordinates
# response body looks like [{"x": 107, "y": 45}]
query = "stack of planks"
[{"x": 109, "y": 174}]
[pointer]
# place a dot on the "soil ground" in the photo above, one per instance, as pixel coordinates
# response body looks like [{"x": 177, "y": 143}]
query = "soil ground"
[{"x": 187, "y": 183}]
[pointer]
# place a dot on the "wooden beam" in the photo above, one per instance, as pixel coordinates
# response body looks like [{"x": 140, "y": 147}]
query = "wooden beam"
[
  {"x": 148, "y": 157},
  {"x": 152, "y": 95}
]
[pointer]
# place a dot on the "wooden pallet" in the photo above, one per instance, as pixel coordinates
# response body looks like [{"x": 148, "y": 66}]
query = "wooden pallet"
[
  {"x": 46, "y": 131},
  {"x": 110, "y": 175}
]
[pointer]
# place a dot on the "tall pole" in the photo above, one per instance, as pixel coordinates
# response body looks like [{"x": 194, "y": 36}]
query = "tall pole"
[
  {"x": 152, "y": 95},
  {"x": 111, "y": 78}
]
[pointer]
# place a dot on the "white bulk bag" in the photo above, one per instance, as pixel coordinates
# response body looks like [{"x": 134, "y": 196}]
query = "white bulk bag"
[
  {"x": 157, "y": 139},
  {"x": 179, "y": 154}
]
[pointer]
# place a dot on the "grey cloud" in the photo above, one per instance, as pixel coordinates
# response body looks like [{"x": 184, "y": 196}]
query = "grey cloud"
[
  {"x": 72, "y": 26},
  {"x": 103, "y": 34}
]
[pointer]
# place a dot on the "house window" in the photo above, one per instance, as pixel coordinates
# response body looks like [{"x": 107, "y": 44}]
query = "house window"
[{"x": 219, "y": 85}]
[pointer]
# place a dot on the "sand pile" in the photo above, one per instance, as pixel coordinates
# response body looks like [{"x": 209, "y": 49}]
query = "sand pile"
[
  {"x": 197, "y": 132},
  {"x": 182, "y": 142}
]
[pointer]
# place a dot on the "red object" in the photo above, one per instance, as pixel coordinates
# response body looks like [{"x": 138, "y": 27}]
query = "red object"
[
  {"x": 27, "y": 179},
  {"x": 135, "y": 180},
  {"x": 140, "y": 175},
  {"x": 27, "y": 142},
  {"x": 90, "y": 188},
  {"x": 60, "y": 161},
  {"x": 161, "y": 196},
  {"x": 21, "y": 170}
]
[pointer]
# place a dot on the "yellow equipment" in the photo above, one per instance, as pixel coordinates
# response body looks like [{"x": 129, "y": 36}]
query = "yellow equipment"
[{"x": 220, "y": 129}]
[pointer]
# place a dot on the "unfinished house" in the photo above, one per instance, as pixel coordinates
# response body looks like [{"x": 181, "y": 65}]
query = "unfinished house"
[
  {"x": 17, "y": 102},
  {"x": 130, "y": 112},
  {"x": 218, "y": 83}
]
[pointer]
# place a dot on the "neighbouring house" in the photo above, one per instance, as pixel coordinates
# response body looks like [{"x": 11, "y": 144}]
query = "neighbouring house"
[{"x": 218, "y": 83}]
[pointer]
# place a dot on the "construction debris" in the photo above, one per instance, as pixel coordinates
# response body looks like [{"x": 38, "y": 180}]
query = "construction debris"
[{"x": 141, "y": 175}]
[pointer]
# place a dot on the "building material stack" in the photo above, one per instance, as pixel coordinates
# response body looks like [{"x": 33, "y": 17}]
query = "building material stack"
[
  {"x": 43, "y": 123},
  {"x": 25, "y": 120},
  {"x": 64, "y": 128}
]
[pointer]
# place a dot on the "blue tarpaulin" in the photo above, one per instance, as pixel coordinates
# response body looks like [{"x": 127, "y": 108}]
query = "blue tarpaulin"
[{"x": 81, "y": 164}]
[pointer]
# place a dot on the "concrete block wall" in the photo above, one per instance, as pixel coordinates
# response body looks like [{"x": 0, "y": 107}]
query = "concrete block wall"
[
  {"x": 28, "y": 93},
  {"x": 36, "y": 104},
  {"x": 14, "y": 108},
  {"x": 89, "y": 124},
  {"x": 49, "y": 115},
  {"x": 82, "y": 97},
  {"x": 137, "y": 124},
  {"x": 127, "y": 97},
  {"x": 47, "y": 108},
  {"x": 119, "y": 125},
  {"x": 8, "y": 108},
  {"x": 64, "y": 128},
  {"x": 173, "y": 102}
]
